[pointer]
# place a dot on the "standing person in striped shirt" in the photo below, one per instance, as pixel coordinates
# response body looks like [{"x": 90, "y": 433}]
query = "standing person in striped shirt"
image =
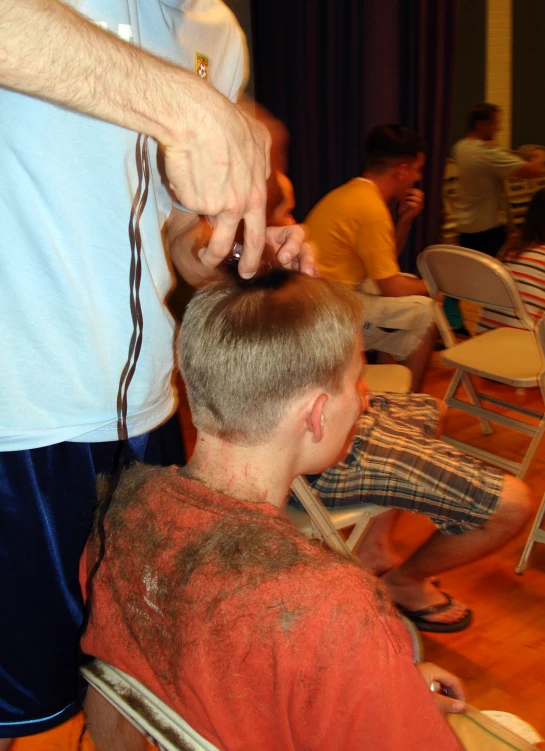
[{"x": 526, "y": 264}]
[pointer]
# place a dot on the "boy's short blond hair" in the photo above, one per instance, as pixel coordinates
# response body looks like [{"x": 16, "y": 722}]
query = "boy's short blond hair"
[{"x": 247, "y": 353}]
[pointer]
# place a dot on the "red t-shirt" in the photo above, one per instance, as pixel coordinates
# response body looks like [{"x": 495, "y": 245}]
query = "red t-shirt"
[{"x": 259, "y": 638}]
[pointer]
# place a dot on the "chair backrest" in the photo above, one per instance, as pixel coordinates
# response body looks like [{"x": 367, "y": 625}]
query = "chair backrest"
[
  {"x": 539, "y": 332},
  {"x": 470, "y": 275}
]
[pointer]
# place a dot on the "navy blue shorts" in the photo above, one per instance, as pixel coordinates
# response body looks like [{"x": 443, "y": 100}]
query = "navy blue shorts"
[{"x": 46, "y": 510}]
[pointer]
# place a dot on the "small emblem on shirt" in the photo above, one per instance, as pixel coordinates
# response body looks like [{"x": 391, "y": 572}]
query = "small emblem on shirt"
[{"x": 201, "y": 66}]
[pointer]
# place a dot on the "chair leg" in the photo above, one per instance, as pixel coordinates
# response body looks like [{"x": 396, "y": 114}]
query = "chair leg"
[
  {"x": 531, "y": 538},
  {"x": 357, "y": 535},
  {"x": 453, "y": 385},
  {"x": 473, "y": 398},
  {"x": 319, "y": 516},
  {"x": 532, "y": 448}
]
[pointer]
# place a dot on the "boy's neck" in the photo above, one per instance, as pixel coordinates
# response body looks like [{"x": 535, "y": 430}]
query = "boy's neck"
[{"x": 249, "y": 473}]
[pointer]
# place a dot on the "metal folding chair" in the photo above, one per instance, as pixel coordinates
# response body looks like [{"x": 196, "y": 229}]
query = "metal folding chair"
[
  {"x": 149, "y": 715},
  {"x": 513, "y": 356},
  {"x": 536, "y": 535}
]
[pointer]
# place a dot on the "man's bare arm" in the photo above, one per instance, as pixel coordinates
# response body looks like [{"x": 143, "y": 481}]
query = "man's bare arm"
[
  {"x": 529, "y": 171},
  {"x": 217, "y": 158},
  {"x": 401, "y": 286}
]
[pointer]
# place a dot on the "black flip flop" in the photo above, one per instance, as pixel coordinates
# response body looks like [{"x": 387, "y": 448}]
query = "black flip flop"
[{"x": 418, "y": 617}]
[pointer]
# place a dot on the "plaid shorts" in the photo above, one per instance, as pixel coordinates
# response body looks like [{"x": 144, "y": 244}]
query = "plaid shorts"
[{"x": 396, "y": 461}]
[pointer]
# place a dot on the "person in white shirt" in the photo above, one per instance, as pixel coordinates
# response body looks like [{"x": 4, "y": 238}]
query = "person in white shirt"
[{"x": 482, "y": 168}]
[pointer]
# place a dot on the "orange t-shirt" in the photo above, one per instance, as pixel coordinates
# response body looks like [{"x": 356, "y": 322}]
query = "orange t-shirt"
[
  {"x": 352, "y": 234},
  {"x": 260, "y": 639}
]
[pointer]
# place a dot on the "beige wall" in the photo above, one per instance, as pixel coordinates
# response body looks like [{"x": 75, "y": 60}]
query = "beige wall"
[{"x": 498, "y": 84}]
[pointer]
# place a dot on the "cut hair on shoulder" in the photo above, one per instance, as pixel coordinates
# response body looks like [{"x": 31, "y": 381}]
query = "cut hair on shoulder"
[
  {"x": 247, "y": 352},
  {"x": 389, "y": 145}
]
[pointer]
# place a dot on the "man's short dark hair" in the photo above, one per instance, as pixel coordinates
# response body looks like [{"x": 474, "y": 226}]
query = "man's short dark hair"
[
  {"x": 387, "y": 145},
  {"x": 481, "y": 113}
]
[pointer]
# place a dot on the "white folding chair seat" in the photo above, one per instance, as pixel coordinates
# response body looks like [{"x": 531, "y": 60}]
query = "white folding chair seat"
[
  {"x": 388, "y": 378},
  {"x": 504, "y": 355},
  {"x": 151, "y": 716}
]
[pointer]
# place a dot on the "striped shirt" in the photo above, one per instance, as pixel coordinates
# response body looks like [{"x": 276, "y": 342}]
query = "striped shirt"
[{"x": 528, "y": 271}]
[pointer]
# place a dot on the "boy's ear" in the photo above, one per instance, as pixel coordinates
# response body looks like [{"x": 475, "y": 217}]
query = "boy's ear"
[{"x": 316, "y": 418}]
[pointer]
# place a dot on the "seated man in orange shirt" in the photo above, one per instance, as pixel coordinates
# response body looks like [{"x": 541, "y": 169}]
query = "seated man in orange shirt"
[
  {"x": 355, "y": 242},
  {"x": 257, "y": 637}
]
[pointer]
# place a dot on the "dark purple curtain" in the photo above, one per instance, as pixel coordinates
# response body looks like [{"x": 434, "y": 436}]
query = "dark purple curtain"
[
  {"x": 426, "y": 92},
  {"x": 331, "y": 70}
]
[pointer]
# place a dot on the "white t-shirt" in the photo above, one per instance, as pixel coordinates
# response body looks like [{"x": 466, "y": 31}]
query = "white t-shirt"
[
  {"x": 481, "y": 170},
  {"x": 68, "y": 182}
]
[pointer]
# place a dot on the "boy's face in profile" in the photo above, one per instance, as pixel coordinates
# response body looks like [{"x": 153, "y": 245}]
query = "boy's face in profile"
[
  {"x": 409, "y": 174},
  {"x": 341, "y": 412}
]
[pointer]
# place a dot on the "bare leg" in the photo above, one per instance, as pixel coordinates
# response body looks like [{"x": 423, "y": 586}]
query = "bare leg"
[
  {"x": 108, "y": 729},
  {"x": 418, "y": 361},
  {"x": 5, "y": 743},
  {"x": 408, "y": 583},
  {"x": 376, "y": 552}
]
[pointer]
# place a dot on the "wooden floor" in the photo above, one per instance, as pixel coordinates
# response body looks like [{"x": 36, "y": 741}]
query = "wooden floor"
[{"x": 501, "y": 657}]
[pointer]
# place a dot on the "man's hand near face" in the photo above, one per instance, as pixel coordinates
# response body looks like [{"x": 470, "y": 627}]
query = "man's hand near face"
[{"x": 411, "y": 205}]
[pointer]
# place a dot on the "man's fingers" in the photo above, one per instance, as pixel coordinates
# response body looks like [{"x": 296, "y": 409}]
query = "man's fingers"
[
  {"x": 433, "y": 674},
  {"x": 307, "y": 262},
  {"x": 286, "y": 242},
  {"x": 292, "y": 252},
  {"x": 254, "y": 242},
  {"x": 454, "y": 686},
  {"x": 448, "y": 705},
  {"x": 448, "y": 680},
  {"x": 221, "y": 241}
]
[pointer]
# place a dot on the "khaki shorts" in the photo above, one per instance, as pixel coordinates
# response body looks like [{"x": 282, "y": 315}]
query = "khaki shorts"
[{"x": 406, "y": 320}]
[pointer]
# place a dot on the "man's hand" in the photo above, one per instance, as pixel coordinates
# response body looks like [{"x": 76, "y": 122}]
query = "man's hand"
[
  {"x": 456, "y": 701},
  {"x": 291, "y": 250},
  {"x": 219, "y": 168},
  {"x": 411, "y": 205},
  {"x": 188, "y": 236}
]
